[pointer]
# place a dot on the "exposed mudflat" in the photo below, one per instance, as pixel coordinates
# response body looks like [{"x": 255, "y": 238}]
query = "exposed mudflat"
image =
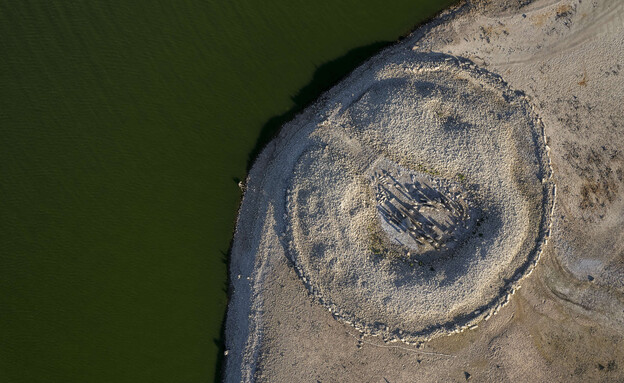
[{"x": 450, "y": 211}]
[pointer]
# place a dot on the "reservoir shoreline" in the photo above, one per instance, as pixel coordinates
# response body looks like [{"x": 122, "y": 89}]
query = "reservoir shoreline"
[{"x": 277, "y": 331}]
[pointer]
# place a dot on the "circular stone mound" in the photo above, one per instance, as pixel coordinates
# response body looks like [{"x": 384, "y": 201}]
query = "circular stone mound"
[
  {"x": 421, "y": 199},
  {"x": 424, "y": 214}
]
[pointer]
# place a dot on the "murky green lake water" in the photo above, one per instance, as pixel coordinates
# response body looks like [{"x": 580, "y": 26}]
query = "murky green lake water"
[{"x": 124, "y": 126}]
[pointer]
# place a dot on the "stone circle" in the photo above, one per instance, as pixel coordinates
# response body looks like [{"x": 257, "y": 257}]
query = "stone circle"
[{"x": 421, "y": 199}]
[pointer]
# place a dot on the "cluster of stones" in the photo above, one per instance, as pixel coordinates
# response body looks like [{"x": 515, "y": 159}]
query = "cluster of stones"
[{"x": 415, "y": 213}]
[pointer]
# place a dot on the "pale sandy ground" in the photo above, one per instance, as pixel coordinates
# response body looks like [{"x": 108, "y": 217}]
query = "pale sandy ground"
[{"x": 566, "y": 322}]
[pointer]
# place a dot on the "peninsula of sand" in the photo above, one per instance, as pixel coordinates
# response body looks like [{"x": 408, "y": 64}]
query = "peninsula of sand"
[{"x": 452, "y": 210}]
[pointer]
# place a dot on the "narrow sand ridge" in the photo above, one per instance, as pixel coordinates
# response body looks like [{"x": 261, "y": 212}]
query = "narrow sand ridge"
[
  {"x": 416, "y": 199},
  {"x": 463, "y": 126}
]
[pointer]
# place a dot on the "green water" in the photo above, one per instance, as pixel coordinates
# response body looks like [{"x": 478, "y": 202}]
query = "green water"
[{"x": 123, "y": 128}]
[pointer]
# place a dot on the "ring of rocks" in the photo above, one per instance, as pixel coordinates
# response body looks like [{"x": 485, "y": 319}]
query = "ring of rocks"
[{"x": 420, "y": 199}]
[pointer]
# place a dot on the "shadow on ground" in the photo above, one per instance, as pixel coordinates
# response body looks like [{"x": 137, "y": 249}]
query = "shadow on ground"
[{"x": 324, "y": 77}]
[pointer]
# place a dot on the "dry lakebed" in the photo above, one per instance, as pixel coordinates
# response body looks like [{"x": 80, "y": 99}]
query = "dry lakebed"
[{"x": 451, "y": 211}]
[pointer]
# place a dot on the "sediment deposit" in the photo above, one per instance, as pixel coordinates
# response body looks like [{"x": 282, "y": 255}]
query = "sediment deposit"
[{"x": 452, "y": 210}]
